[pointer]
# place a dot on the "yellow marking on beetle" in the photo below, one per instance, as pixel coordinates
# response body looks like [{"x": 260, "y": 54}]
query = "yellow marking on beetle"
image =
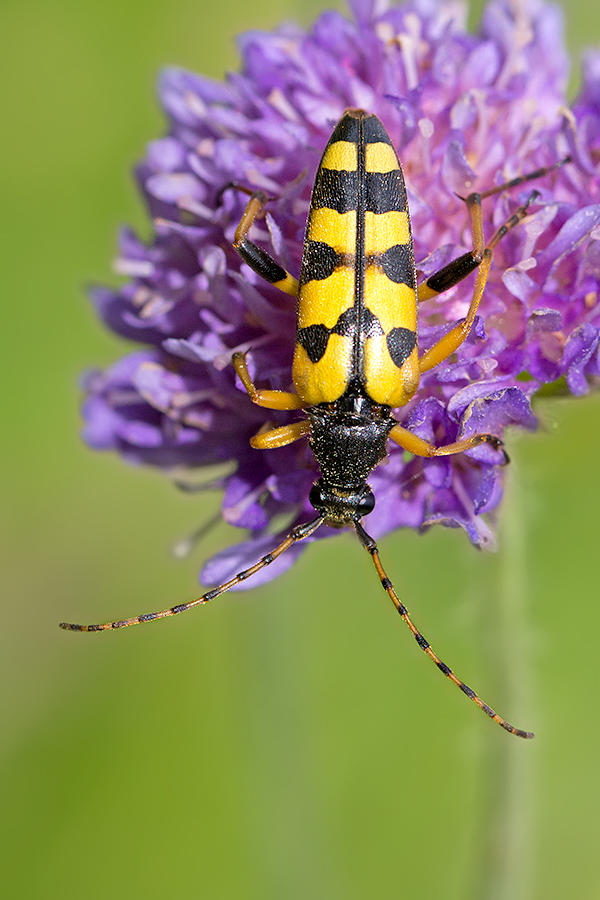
[
  {"x": 380, "y": 157},
  {"x": 334, "y": 228},
  {"x": 384, "y": 381},
  {"x": 384, "y": 230},
  {"x": 322, "y": 302},
  {"x": 341, "y": 155},
  {"x": 324, "y": 381},
  {"x": 393, "y": 304}
]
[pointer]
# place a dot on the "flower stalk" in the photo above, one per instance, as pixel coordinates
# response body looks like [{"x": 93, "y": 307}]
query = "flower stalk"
[{"x": 506, "y": 820}]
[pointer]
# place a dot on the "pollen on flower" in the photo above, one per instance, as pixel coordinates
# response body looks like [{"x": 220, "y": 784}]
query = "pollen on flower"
[{"x": 465, "y": 112}]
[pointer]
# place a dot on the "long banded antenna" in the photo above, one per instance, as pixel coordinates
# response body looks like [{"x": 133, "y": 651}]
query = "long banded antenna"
[
  {"x": 370, "y": 545},
  {"x": 299, "y": 533}
]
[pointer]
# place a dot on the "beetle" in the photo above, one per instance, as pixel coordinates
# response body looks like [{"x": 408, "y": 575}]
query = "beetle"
[{"x": 356, "y": 354}]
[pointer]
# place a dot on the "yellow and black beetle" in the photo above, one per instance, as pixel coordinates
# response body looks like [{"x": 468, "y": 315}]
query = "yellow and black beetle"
[{"x": 356, "y": 354}]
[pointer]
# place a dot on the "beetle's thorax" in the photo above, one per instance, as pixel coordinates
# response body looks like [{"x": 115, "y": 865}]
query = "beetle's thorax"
[{"x": 349, "y": 439}]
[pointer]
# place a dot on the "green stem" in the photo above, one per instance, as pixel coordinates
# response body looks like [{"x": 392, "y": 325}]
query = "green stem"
[{"x": 507, "y": 817}]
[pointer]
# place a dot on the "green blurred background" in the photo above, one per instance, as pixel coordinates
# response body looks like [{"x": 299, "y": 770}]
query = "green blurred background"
[{"x": 292, "y": 741}]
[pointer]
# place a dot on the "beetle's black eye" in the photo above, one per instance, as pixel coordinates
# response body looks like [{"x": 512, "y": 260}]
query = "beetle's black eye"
[
  {"x": 367, "y": 504},
  {"x": 315, "y": 497}
]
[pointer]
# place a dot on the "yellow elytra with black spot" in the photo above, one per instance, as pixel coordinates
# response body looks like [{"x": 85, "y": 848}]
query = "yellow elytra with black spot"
[{"x": 357, "y": 302}]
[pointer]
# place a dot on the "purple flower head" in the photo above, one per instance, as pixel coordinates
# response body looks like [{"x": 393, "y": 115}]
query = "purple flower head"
[{"x": 465, "y": 112}]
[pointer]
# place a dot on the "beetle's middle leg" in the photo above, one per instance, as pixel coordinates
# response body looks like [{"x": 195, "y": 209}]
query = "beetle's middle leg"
[{"x": 284, "y": 400}]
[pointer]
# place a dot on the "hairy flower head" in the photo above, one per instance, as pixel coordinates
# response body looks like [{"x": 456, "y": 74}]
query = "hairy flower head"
[{"x": 465, "y": 112}]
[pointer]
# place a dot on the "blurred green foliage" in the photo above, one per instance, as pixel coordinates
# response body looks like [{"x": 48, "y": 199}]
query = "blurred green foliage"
[{"x": 289, "y": 742}]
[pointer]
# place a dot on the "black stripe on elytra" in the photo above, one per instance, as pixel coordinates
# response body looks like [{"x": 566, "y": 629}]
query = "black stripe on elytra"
[
  {"x": 400, "y": 343},
  {"x": 374, "y": 132},
  {"x": 369, "y": 325},
  {"x": 451, "y": 274},
  {"x": 398, "y": 264},
  {"x": 345, "y": 130},
  {"x": 385, "y": 191},
  {"x": 335, "y": 189},
  {"x": 261, "y": 262},
  {"x": 314, "y": 338},
  {"x": 319, "y": 261}
]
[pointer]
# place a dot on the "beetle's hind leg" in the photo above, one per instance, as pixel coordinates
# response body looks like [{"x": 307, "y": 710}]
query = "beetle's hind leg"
[
  {"x": 258, "y": 259},
  {"x": 265, "y": 266},
  {"x": 479, "y": 258},
  {"x": 458, "y": 269}
]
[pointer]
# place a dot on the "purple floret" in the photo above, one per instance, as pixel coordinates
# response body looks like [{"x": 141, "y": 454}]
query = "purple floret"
[{"x": 465, "y": 112}]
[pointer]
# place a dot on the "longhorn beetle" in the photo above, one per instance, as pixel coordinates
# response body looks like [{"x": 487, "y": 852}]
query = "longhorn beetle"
[{"x": 356, "y": 354}]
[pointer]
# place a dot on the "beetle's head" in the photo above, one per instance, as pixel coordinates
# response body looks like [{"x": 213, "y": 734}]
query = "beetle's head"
[{"x": 341, "y": 506}]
